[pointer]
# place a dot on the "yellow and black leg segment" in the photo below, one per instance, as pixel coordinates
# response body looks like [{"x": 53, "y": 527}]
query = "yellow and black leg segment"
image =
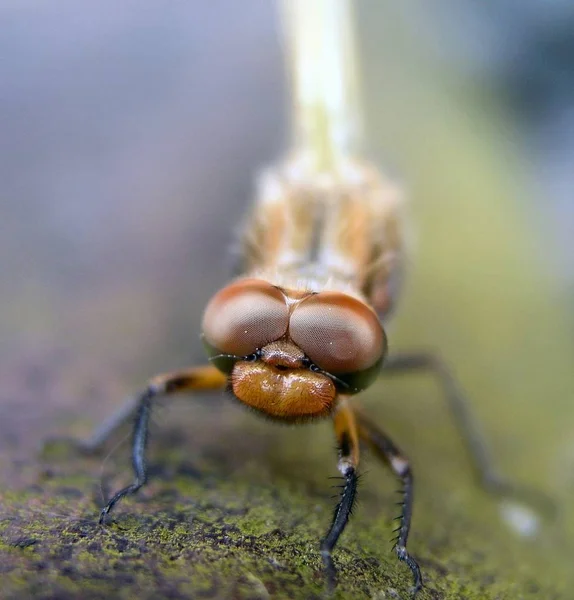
[
  {"x": 399, "y": 464},
  {"x": 348, "y": 442},
  {"x": 190, "y": 380}
]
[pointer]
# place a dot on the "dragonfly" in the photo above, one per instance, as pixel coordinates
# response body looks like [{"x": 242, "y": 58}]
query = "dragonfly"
[{"x": 300, "y": 331}]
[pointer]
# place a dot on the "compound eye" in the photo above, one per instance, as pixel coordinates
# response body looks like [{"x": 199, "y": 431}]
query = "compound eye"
[
  {"x": 339, "y": 333},
  {"x": 244, "y": 316}
]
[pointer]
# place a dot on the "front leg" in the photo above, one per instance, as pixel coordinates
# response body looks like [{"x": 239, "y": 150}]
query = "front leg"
[
  {"x": 348, "y": 442},
  {"x": 195, "y": 379},
  {"x": 399, "y": 464}
]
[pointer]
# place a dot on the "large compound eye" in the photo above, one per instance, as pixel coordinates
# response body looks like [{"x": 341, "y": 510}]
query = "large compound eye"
[
  {"x": 339, "y": 333},
  {"x": 244, "y": 316}
]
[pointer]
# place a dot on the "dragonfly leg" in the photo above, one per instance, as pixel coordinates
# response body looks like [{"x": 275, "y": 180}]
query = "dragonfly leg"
[
  {"x": 348, "y": 442},
  {"x": 98, "y": 438},
  {"x": 399, "y": 464},
  {"x": 459, "y": 405},
  {"x": 194, "y": 379}
]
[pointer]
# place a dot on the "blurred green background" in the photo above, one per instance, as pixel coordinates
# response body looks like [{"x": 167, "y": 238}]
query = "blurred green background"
[{"x": 130, "y": 137}]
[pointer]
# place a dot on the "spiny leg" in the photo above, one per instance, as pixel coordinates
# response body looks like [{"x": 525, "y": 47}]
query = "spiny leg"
[
  {"x": 475, "y": 442},
  {"x": 348, "y": 442},
  {"x": 195, "y": 379},
  {"x": 385, "y": 448}
]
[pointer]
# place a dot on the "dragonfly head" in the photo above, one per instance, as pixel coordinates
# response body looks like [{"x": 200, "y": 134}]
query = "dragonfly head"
[{"x": 289, "y": 355}]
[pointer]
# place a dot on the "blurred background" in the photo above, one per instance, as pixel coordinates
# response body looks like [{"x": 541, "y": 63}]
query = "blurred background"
[{"x": 130, "y": 135}]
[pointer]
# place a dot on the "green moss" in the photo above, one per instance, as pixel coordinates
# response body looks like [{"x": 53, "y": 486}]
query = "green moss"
[{"x": 243, "y": 540}]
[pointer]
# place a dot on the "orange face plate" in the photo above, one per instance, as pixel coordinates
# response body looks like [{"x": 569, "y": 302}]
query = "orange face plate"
[{"x": 291, "y": 395}]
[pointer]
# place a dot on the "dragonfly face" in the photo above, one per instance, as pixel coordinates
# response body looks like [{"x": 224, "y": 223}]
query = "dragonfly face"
[{"x": 290, "y": 352}]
